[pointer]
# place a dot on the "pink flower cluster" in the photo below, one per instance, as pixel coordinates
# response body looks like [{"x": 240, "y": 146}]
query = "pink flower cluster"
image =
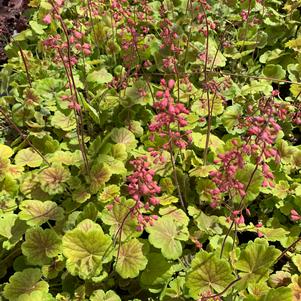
[
  {"x": 143, "y": 190},
  {"x": 169, "y": 118},
  {"x": 224, "y": 178}
]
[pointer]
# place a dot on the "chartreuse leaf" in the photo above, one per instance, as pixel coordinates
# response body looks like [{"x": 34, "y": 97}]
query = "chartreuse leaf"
[
  {"x": 250, "y": 179},
  {"x": 120, "y": 221},
  {"x": 100, "y": 174},
  {"x": 123, "y": 135},
  {"x": 199, "y": 140},
  {"x": 108, "y": 193},
  {"x": 100, "y": 295},
  {"x": 26, "y": 284},
  {"x": 36, "y": 212},
  {"x": 178, "y": 215},
  {"x": 28, "y": 157},
  {"x": 130, "y": 260},
  {"x": 99, "y": 76},
  {"x": 53, "y": 179},
  {"x": 7, "y": 222},
  {"x": 255, "y": 260},
  {"x": 200, "y": 107},
  {"x": 157, "y": 272},
  {"x": 41, "y": 245},
  {"x": 296, "y": 287},
  {"x": 167, "y": 235},
  {"x": 5, "y": 151},
  {"x": 296, "y": 259},
  {"x": 208, "y": 273},
  {"x": 64, "y": 122},
  {"x": 86, "y": 248}
]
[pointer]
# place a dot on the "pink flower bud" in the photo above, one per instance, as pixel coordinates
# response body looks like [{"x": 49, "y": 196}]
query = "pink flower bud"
[
  {"x": 171, "y": 84},
  {"x": 47, "y": 19}
]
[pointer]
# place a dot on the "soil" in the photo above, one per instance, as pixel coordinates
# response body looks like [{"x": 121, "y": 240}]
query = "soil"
[{"x": 10, "y": 19}]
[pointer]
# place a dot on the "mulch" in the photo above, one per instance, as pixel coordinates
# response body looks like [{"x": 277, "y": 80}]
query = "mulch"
[{"x": 11, "y": 19}]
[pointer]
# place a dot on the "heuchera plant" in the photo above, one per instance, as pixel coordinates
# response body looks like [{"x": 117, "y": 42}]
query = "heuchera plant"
[{"x": 151, "y": 150}]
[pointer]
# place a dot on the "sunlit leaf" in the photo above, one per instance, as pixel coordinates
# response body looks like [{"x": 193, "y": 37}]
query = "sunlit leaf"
[
  {"x": 130, "y": 259},
  {"x": 100, "y": 295},
  {"x": 35, "y": 212},
  {"x": 208, "y": 273},
  {"x": 100, "y": 174},
  {"x": 53, "y": 179},
  {"x": 86, "y": 248},
  {"x": 65, "y": 122},
  {"x": 121, "y": 223},
  {"x": 167, "y": 235},
  {"x": 99, "y": 76},
  {"x": 255, "y": 260},
  {"x": 28, "y": 157},
  {"x": 123, "y": 135}
]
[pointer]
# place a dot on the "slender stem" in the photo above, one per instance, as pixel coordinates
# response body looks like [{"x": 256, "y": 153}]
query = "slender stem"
[
  {"x": 176, "y": 177},
  {"x": 222, "y": 292},
  {"x": 23, "y": 136},
  {"x": 25, "y": 65},
  {"x": 288, "y": 248}
]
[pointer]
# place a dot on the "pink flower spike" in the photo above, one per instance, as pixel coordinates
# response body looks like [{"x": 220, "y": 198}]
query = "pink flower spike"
[{"x": 47, "y": 19}]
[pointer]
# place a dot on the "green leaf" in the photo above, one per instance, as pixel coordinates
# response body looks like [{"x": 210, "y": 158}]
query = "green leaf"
[
  {"x": 167, "y": 235},
  {"x": 274, "y": 72},
  {"x": 120, "y": 221},
  {"x": 281, "y": 189},
  {"x": 175, "y": 291},
  {"x": 244, "y": 176},
  {"x": 255, "y": 260},
  {"x": 36, "y": 213},
  {"x": 296, "y": 259},
  {"x": 86, "y": 248},
  {"x": 231, "y": 117},
  {"x": 255, "y": 87},
  {"x": 100, "y": 295},
  {"x": 7, "y": 221},
  {"x": 281, "y": 294},
  {"x": 200, "y": 107},
  {"x": 100, "y": 76},
  {"x": 123, "y": 135},
  {"x": 37, "y": 28},
  {"x": 41, "y": 245},
  {"x": 100, "y": 174},
  {"x": 64, "y": 122},
  {"x": 131, "y": 259},
  {"x": 28, "y": 157},
  {"x": 157, "y": 272},
  {"x": 54, "y": 179},
  {"x": 26, "y": 284},
  {"x": 208, "y": 273},
  {"x": 206, "y": 223}
]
